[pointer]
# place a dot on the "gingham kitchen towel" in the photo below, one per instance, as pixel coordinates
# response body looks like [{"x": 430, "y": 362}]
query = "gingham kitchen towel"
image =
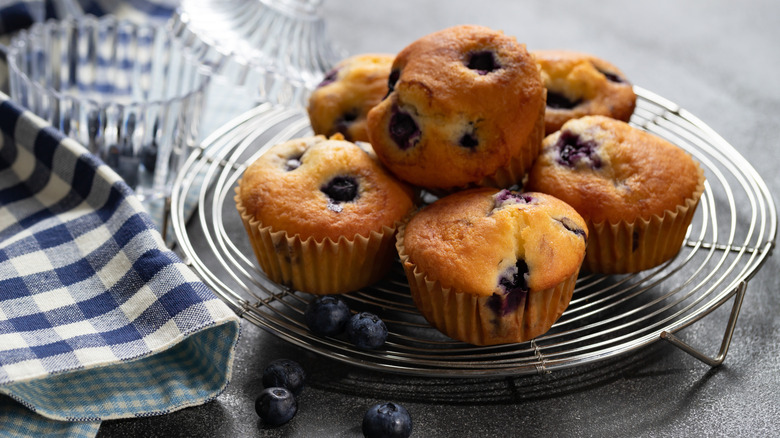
[{"x": 98, "y": 319}]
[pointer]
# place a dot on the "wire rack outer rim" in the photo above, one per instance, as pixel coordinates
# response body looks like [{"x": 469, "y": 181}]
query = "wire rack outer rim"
[{"x": 379, "y": 361}]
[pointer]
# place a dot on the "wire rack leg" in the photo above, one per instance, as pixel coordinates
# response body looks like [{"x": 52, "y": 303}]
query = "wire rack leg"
[{"x": 724, "y": 346}]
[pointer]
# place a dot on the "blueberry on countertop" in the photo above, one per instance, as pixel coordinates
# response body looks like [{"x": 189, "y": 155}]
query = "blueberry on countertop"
[
  {"x": 284, "y": 373},
  {"x": 327, "y": 315},
  {"x": 387, "y": 420},
  {"x": 366, "y": 331},
  {"x": 276, "y": 406}
]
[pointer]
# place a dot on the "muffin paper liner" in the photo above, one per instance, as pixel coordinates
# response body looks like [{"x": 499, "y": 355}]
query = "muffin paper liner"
[
  {"x": 625, "y": 247},
  {"x": 320, "y": 268},
  {"x": 470, "y": 318}
]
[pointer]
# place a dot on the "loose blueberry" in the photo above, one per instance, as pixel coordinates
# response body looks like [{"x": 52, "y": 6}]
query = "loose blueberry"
[
  {"x": 327, "y": 315},
  {"x": 404, "y": 130},
  {"x": 514, "y": 287},
  {"x": 387, "y": 420},
  {"x": 341, "y": 189},
  {"x": 366, "y": 331},
  {"x": 329, "y": 78},
  {"x": 557, "y": 100},
  {"x": 276, "y": 406},
  {"x": 573, "y": 149},
  {"x": 571, "y": 226},
  {"x": 483, "y": 62},
  {"x": 284, "y": 373}
]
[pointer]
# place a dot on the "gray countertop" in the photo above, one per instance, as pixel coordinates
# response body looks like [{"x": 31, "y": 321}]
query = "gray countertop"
[{"x": 717, "y": 59}]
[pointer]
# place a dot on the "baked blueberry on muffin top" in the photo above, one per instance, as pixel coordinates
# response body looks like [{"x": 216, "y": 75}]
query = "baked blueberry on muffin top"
[
  {"x": 341, "y": 102},
  {"x": 579, "y": 84},
  {"x": 490, "y": 266},
  {"x": 465, "y": 107}
]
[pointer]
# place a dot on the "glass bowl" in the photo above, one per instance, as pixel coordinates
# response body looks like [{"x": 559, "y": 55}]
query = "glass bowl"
[
  {"x": 276, "y": 51},
  {"x": 131, "y": 93}
]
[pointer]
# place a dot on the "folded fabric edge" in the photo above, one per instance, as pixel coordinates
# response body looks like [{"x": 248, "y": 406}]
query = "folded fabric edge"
[
  {"x": 188, "y": 372},
  {"x": 16, "y": 421}
]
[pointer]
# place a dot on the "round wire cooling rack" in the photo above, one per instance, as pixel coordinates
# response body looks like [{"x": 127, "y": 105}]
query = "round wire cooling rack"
[{"x": 732, "y": 234}]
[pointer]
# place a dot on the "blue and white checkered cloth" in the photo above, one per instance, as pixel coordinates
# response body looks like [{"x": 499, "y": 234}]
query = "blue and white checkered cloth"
[{"x": 98, "y": 319}]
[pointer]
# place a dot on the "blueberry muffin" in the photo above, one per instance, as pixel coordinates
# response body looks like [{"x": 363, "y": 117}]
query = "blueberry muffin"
[
  {"x": 489, "y": 266},
  {"x": 321, "y": 214},
  {"x": 341, "y": 101},
  {"x": 579, "y": 84},
  {"x": 637, "y": 192},
  {"x": 465, "y": 108}
]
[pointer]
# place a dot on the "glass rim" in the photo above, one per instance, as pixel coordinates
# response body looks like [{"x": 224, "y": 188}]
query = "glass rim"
[{"x": 21, "y": 40}]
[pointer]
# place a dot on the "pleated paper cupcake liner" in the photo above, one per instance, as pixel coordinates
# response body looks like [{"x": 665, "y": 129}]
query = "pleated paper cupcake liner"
[
  {"x": 625, "y": 247},
  {"x": 320, "y": 268},
  {"x": 472, "y": 319}
]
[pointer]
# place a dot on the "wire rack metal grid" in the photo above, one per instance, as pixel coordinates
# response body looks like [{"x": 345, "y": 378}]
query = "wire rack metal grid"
[{"x": 732, "y": 234}]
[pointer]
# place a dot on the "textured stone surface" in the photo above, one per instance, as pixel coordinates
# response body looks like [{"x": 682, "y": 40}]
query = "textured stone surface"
[{"x": 719, "y": 60}]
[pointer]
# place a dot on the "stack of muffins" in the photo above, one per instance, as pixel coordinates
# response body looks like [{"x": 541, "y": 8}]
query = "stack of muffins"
[{"x": 462, "y": 113}]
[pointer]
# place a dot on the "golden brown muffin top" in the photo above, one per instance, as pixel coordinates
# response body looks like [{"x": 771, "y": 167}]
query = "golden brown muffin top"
[
  {"x": 342, "y": 100},
  {"x": 580, "y": 84},
  {"x": 610, "y": 171},
  {"x": 473, "y": 241},
  {"x": 469, "y": 97},
  {"x": 323, "y": 188}
]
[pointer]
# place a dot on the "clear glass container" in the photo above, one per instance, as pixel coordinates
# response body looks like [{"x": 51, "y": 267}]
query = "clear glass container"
[
  {"x": 131, "y": 93},
  {"x": 276, "y": 51}
]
